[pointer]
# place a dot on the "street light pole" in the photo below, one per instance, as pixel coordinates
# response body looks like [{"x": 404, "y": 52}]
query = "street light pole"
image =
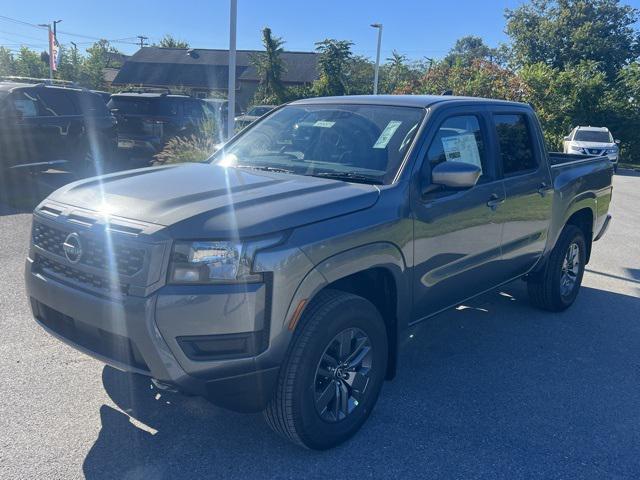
[
  {"x": 375, "y": 75},
  {"x": 231, "y": 87},
  {"x": 49, "y": 33}
]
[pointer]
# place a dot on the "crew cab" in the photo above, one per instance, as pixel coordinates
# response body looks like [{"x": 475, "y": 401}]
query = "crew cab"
[
  {"x": 283, "y": 273},
  {"x": 46, "y": 124}
]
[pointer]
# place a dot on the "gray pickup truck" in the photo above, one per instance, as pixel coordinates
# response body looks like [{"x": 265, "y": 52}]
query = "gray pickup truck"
[{"x": 282, "y": 274}]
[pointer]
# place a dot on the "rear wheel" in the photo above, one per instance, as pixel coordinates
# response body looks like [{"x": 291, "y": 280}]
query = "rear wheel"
[
  {"x": 557, "y": 286},
  {"x": 333, "y": 374}
]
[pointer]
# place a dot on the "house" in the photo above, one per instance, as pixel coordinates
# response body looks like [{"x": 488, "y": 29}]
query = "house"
[{"x": 205, "y": 72}]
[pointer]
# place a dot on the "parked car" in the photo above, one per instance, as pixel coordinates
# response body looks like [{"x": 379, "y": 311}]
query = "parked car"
[
  {"x": 43, "y": 125},
  {"x": 147, "y": 120},
  {"x": 285, "y": 274},
  {"x": 106, "y": 96},
  {"x": 252, "y": 115},
  {"x": 220, "y": 108},
  {"x": 592, "y": 141}
]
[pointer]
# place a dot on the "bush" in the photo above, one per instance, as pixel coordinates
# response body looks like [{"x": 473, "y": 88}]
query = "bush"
[{"x": 196, "y": 147}]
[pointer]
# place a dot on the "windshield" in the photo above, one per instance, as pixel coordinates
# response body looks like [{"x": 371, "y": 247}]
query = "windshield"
[
  {"x": 593, "y": 136},
  {"x": 144, "y": 106},
  {"x": 366, "y": 143},
  {"x": 259, "y": 111}
]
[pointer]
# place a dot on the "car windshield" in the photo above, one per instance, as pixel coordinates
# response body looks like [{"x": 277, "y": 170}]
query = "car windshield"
[
  {"x": 599, "y": 136},
  {"x": 359, "y": 143},
  {"x": 143, "y": 106},
  {"x": 259, "y": 111}
]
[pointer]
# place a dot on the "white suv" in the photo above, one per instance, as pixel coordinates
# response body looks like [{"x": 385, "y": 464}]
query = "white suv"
[{"x": 592, "y": 141}]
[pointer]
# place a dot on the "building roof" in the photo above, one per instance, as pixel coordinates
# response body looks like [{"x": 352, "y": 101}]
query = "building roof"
[{"x": 206, "y": 68}]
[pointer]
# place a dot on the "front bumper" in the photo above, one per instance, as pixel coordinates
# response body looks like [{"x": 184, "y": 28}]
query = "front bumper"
[{"x": 211, "y": 341}]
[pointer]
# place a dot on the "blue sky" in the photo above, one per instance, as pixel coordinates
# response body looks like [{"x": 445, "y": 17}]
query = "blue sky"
[{"x": 417, "y": 28}]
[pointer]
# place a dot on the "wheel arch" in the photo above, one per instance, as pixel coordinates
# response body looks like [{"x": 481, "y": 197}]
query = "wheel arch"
[{"x": 374, "y": 271}]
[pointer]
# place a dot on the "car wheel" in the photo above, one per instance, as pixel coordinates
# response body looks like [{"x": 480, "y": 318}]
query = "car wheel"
[
  {"x": 557, "y": 287},
  {"x": 333, "y": 373}
]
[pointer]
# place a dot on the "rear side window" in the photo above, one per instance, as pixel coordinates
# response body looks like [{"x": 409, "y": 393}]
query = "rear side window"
[
  {"x": 91, "y": 104},
  {"x": 55, "y": 103},
  {"x": 516, "y": 146},
  {"x": 24, "y": 104},
  {"x": 459, "y": 139}
]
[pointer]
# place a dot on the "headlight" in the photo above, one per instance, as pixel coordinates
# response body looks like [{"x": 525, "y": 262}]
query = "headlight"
[
  {"x": 576, "y": 149},
  {"x": 215, "y": 262},
  {"x": 612, "y": 150}
]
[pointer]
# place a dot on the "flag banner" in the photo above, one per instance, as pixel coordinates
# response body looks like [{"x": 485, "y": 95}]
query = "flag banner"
[{"x": 53, "y": 48}]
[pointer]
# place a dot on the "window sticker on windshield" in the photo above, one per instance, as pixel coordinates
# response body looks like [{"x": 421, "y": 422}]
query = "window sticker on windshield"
[
  {"x": 462, "y": 148},
  {"x": 386, "y": 134},
  {"x": 324, "y": 124}
]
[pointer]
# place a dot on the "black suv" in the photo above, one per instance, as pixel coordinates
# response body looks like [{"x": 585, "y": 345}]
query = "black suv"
[
  {"x": 42, "y": 125},
  {"x": 147, "y": 120}
]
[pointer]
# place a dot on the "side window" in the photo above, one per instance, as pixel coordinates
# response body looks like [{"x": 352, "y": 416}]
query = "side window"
[
  {"x": 55, "y": 103},
  {"x": 24, "y": 104},
  {"x": 516, "y": 147},
  {"x": 193, "y": 109},
  {"x": 459, "y": 139}
]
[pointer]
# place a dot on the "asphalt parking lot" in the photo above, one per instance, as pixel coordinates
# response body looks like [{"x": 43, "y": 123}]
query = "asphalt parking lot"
[{"x": 494, "y": 389}]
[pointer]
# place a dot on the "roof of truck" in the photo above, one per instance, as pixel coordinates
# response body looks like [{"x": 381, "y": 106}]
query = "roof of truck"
[{"x": 421, "y": 101}]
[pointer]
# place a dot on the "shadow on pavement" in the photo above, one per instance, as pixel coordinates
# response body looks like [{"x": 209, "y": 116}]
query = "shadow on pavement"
[
  {"x": 493, "y": 389},
  {"x": 628, "y": 172}
]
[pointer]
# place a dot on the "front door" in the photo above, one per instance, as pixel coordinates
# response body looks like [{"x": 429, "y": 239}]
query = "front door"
[{"x": 456, "y": 232}]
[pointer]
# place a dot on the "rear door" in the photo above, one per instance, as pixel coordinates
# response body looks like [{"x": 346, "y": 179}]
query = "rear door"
[
  {"x": 526, "y": 212},
  {"x": 23, "y": 141},
  {"x": 60, "y": 122},
  {"x": 456, "y": 232}
]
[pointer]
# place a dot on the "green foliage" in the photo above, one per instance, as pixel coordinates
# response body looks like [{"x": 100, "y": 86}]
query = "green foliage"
[
  {"x": 270, "y": 68},
  {"x": 169, "y": 41},
  {"x": 29, "y": 64},
  {"x": 563, "y": 33},
  {"x": 193, "y": 148},
  {"x": 470, "y": 48},
  {"x": 7, "y": 62},
  {"x": 333, "y": 65}
]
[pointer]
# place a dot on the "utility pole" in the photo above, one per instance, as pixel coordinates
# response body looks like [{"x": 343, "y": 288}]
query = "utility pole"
[
  {"x": 50, "y": 42},
  {"x": 231, "y": 87},
  {"x": 143, "y": 40},
  {"x": 55, "y": 36},
  {"x": 375, "y": 75}
]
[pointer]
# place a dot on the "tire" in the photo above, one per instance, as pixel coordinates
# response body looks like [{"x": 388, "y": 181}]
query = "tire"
[
  {"x": 308, "y": 379},
  {"x": 557, "y": 286}
]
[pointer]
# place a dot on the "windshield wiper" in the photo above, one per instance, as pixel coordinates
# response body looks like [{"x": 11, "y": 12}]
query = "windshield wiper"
[
  {"x": 265, "y": 168},
  {"x": 348, "y": 177}
]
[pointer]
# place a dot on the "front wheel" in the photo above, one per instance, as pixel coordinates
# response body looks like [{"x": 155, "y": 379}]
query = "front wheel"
[
  {"x": 333, "y": 374},
  {"x": 557, "y": 287}
]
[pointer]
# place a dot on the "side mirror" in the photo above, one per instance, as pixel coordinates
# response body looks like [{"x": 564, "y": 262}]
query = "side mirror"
[
  {"x": 455, "y": 174},
  {"x": 617, "y": 141}
]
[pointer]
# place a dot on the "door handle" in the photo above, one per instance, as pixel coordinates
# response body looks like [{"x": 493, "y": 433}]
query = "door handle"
[
  {"x": 542, "y": 189},
  {"x": 494, "y": 201}
]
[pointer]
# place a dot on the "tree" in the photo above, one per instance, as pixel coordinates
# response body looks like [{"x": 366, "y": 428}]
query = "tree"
[
  {"x": 399, "y": 74},
  {"x": 332, "y": 65},
  {"x": 562, "y": 33},
  {"x": 98, "y": 58},
  {"x": 481, "y": 78},
  {"x": 7, "y": 62},
  {"x": 29, "y": 64},
  {"x": 168, "y": 41},
  {"x": 470, "y": 48},
  {"x": 358, "y": 75},
  {"x": 270, "y": 67},
  {"x": 71, "y": 64}
]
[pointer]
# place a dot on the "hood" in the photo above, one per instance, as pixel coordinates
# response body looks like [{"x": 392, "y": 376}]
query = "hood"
[
  {"x": 597, "y": 145},
  {"x": 209, "y": 201}
]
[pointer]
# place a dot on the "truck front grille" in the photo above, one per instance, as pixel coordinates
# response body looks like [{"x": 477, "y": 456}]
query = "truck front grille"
[
  {"x": 74, "y": 275},
  {"x": 126, "y": 260}
]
